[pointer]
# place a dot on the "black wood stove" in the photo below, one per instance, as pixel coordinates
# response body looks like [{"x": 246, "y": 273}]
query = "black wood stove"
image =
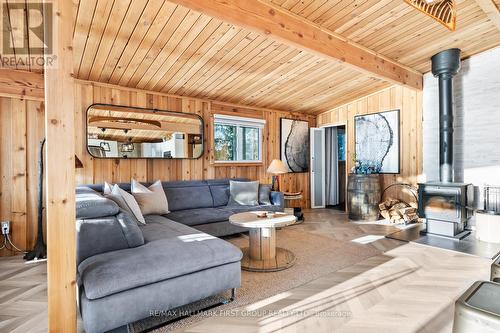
[
  {"x": 444, "y": 203},
  {"x": 444, "y": 206}
]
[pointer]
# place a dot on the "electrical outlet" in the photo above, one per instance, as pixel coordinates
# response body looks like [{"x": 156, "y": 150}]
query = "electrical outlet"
[{"x": 5, "y": 227}]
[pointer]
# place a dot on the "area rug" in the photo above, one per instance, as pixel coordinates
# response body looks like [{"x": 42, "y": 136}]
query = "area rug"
[{"x": 316, "y": 256}]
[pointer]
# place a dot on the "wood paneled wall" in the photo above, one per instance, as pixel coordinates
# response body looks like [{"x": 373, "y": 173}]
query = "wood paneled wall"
[
  {"x": 21, "y": 130},
  {"x": 409, "y": 101},
  {"x": 120, "y": 170}
]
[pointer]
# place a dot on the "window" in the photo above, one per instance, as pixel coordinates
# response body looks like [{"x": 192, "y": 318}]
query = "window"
[{"x": 237, "y": 139}]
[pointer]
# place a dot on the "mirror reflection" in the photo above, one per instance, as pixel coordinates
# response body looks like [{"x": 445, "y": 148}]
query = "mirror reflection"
[{"x": 126, "y": 132}]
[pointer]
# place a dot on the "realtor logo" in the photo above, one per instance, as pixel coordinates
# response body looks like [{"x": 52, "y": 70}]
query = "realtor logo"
[{"x": 24, "y": 39}]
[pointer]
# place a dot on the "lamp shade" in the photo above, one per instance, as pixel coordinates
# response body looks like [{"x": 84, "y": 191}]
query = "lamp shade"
[{"x": 277, "y": 167}]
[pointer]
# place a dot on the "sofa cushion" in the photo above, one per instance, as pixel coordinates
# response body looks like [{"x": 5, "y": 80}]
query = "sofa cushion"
[
  {"x": 188, "y": 197},
  {"x": 111, "y": 233},
  {"x": 242, "y": 208},
  {"x": 200, "y": 215},
  {"x": 264, "y": 194},
  {"x": 90, "y": 204},
  {"x": 220, "y": 194},
  {"x": 160, "y": 227},
  {"x": 180, "y": 250},
  {"x": 194, "y": 217}
]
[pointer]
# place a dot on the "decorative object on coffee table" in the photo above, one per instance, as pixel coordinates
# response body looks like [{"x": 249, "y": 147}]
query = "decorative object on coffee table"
[
  {"x": 363, "y": 197},
  {"x": 276, "y": 168},
  {"x": 262, "y": 255}
]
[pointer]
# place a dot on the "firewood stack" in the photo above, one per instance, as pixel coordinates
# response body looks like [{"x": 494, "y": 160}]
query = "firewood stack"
[{"x": 398, "y": 211}]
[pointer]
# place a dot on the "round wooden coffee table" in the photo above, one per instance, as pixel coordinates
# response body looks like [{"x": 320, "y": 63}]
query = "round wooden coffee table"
[{"x": 263, "y": 255}]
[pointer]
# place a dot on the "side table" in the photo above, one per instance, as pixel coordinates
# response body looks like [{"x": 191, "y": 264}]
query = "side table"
[{"x": 297, "y": 211}]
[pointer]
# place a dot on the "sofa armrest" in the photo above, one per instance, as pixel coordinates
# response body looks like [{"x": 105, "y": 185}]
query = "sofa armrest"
[
  {"x": 278, "y": 199},
  {"x": 90, "y": 204},
  {"x": 106, "y": 234},
  {"x": 101, "y": 226}
]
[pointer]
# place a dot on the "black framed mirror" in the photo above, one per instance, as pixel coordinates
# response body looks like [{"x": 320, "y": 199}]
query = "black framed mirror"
[{"x": 128, "y": 132}]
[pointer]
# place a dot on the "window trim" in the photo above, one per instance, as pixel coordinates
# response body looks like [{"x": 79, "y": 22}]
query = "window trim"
[{"x": 239, "y": 122}]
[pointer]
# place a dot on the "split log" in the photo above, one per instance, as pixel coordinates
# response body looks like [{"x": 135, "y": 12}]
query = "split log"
[
  {"x": 398, "y": 211},
  {"x": 408, "y": 211}
]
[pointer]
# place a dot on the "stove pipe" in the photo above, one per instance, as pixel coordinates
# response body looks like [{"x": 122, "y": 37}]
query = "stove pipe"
[{"x": 445, "y": 65}]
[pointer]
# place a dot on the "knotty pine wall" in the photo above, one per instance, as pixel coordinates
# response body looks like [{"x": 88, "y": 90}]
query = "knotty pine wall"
[
  {"x": 409, "y": 101},
  {"x": 21, "y": 130},
  {"x": 120, "y": 170}
]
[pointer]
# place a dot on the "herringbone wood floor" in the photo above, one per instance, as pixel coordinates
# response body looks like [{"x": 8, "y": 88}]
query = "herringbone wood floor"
[
  {"x": 23, "y": 296},
  {"x": 410, "y": 288}
]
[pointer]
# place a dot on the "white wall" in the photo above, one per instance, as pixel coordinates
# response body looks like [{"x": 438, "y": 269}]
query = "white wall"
[{"x": 477, "y": 122}]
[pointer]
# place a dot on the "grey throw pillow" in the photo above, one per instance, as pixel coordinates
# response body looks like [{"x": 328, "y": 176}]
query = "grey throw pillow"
[
  {"x": 264, "y": 194},
  {"x": 244, "y": 193}
]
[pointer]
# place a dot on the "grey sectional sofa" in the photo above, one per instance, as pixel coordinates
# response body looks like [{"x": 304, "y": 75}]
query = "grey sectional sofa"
[
  {"x": 203, "y": 204},
  {"x": 126, "y": 271}
]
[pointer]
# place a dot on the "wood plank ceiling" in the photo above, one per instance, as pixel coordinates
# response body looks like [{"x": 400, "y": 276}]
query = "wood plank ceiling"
[
  {"x": 157, "y": 45},
  {"x": 398, "y": 31},
  {"x": 175, "y": 50}
]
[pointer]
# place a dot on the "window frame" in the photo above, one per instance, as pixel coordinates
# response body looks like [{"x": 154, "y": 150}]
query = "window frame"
[{"x": 239, "y": 122}]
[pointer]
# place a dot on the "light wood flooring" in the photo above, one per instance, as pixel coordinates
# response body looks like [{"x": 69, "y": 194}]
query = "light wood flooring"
[
  {"x": 23, "y": 296},
  {"x": 408, "y": 288}
]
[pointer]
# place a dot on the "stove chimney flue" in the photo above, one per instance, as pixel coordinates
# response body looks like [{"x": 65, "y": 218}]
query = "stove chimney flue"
[{"x": 445, "y": 65}]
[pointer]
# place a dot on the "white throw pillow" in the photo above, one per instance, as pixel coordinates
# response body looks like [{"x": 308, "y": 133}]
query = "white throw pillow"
[
  {"x": 108, "y": 188},
  {"x": 130, "y": 202},
  {"x": 152, "y": 199}
]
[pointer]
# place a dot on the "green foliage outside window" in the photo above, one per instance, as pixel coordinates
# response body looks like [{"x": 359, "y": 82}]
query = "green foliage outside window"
[
  {"x": 236, "y": 143},
  {"x": 225, "y": 142}
]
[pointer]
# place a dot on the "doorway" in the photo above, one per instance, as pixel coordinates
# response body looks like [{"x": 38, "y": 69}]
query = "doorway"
[
  {"x": 335, "y": 167},
  {"x": 328, "y": 166}
]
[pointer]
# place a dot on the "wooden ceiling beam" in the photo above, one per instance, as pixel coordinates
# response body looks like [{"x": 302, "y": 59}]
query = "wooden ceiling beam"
[
  {"x": 21, "y": 84},
  {"x": 290, "y": 28},
  {"x": 491, "y": 10}
]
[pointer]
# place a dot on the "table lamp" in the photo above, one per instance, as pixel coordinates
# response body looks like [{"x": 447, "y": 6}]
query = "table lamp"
[{"x": 276, "y": 168}]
